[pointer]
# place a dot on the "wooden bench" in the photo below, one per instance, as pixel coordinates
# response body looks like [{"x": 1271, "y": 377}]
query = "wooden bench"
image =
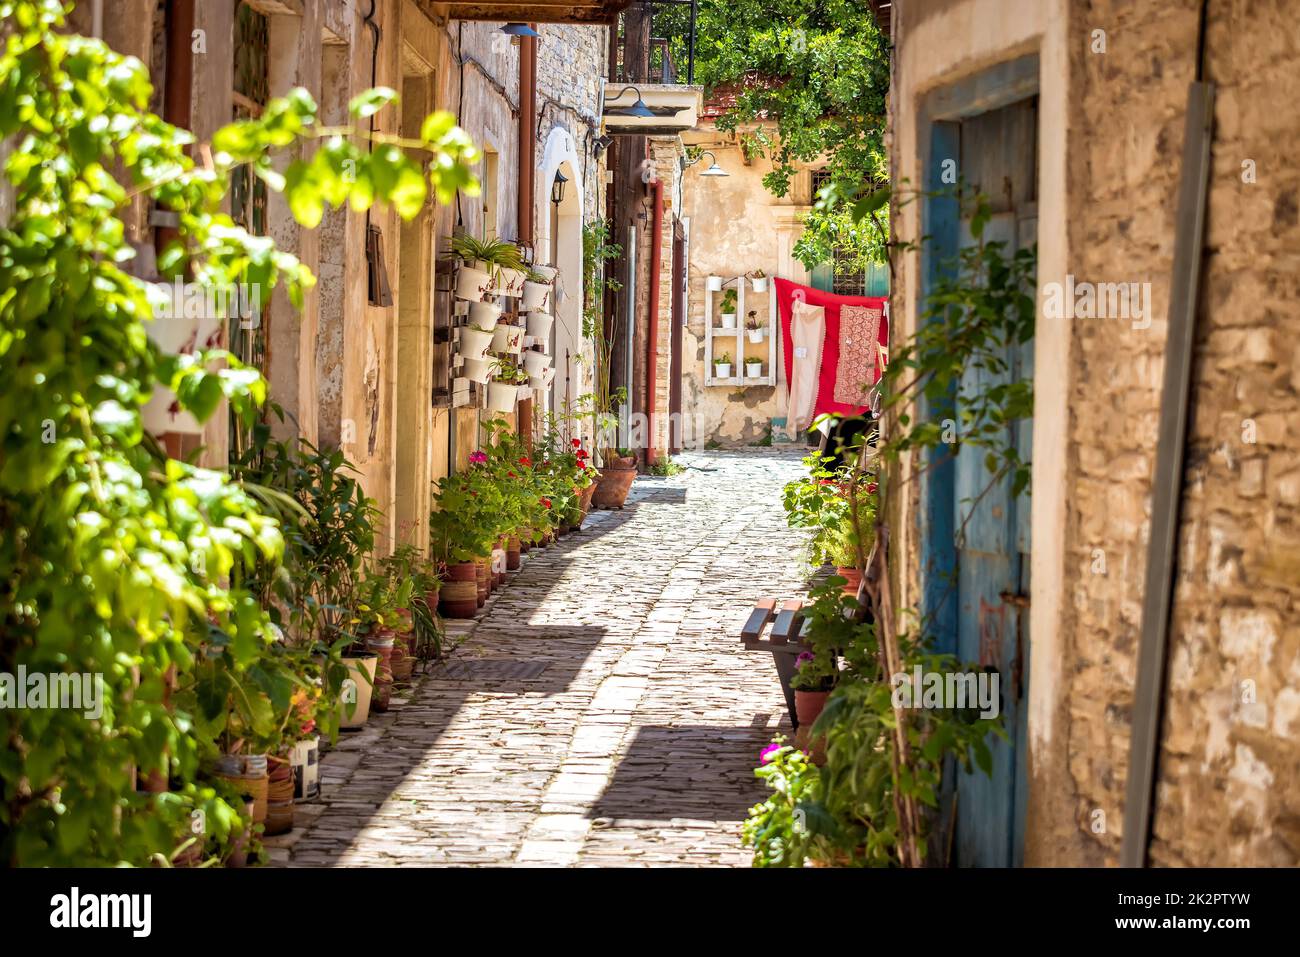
[{"x": 784, "y": 641}]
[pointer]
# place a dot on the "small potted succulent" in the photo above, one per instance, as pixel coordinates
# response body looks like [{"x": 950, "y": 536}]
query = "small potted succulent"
[
  {"x": 754, "y": 328},
  {"x": 753, "y": 369},
  {"x": 722, "y": 366},
  {"x": 482, "y": 262},
  {"x": 503, "y": 390},
  {"x": 729, "y": 309},
  {"x": 758, "y": 280},
  {"x": 536, "y": 290}
]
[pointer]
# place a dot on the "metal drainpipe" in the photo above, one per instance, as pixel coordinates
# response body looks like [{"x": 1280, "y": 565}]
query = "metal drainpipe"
[
  {"x": 652, "y": 332},
  {"x": 527, "y": 160},
  {"x": 177, "y": 84}
]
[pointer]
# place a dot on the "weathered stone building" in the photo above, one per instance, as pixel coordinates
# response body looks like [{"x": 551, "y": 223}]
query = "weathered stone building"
[
  {"x": 377, "y": 380},
  {"x": 1071, "y": 116}
]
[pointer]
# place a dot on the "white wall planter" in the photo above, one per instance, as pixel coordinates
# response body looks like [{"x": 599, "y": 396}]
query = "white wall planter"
[
  {"x": 474, "y": 342},
  {"x": 535, "y": 296},
  {"x": 484, "y": 315},
  {"x": 754, "y": 370},
  {"x": 713, "y": 284},
  {"x": 757, "y": 335},
  {"x": 728, "y": 320},
  {"x": 550, "y": 272},
  {"x": 472, "y": 284},
  {"x": 536, "y": 363},
  {"x": 501, "y": 396},
  {"x": 539, "y": 324},
  {"x": 759, "y": 283},
  {"x": 477, "y": 370},
  {"x": 177, "y": 333},
  {"x": 507, "y": 339},
  {"x": 512, "y": 281},
  {"x": 722, "y": 369}
]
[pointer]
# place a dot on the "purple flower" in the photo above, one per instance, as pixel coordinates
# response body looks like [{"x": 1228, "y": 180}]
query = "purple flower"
[
  {"x": 769, "y": 752},
  {"x": 804, "y": 658},
  {"x": 477, "y": 458}
]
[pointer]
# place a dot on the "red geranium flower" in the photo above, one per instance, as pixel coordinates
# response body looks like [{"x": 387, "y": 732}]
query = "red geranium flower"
[
  {"x": 525, "y": 460},
  {"x": 581, "y": 455},
  {"x": 871, "y": 488},
  {"x": 512, "y": 474},
  {"x": 577, "y": 443},
  {"x": 546, "y": 502}
]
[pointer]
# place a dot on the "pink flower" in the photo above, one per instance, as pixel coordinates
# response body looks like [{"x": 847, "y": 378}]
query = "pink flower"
[
  {"x": 477, "y": 458},
  {"x": 769, "y": 752}
]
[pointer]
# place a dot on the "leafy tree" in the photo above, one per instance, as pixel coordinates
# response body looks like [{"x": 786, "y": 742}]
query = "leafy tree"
[
  {"x": 113, "y": 558},
  {"x": 820, "y": 71}
]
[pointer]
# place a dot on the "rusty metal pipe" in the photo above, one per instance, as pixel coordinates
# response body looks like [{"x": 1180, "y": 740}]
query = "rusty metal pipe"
[{"x": 652, "y": 332}]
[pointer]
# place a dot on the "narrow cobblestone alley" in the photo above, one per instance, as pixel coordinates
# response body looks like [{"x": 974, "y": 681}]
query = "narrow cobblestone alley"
[{"x": 600, "y": 711}]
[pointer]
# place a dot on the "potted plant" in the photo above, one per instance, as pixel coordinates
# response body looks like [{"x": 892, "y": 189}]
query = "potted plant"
[
  {"x": 722, "y": 366},
  {"x": 536, "y": 291},
  {"x": 758, "y": 280},
  {"x": 476, "y": 277},
  {"x": 713, "y": 283},
  {"x": 503, "y": 391},
  {"x": 536, "y": 363},
  {"x": 475, "y": 342},
  {"x": 729, "y": 309},
  {"x": 462, "y": 532},
  {"x": 484, "y": 315},
  {"x": 614, "y": 480},
  {"x": 477, "y": 370},
  {"x": 539, "y": 325},
  {"x": 753, "y": 369},
  {"x": 756, "y": 330},
  {"x": 500, "y": 260},
  {"x": 507, "y": 338}
]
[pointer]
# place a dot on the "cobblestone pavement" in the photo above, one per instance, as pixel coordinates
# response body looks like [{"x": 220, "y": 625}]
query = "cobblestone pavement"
[{"x": 636, "y": 742}]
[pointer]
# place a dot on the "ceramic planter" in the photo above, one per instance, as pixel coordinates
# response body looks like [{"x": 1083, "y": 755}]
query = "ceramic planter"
[
  {"x": 756, "y": 335},
  {"x": 483, "y": 579},
  {"x": 536, "y": 363},
  {"x": 758, "y": 283},
  {"x": 513, "y": 282},
  {"x": 473, "y": 284},
  {"x": 484, "y": 315},
  {"x": 754, "y": 370},
  {"x": 177, "y": 332},
  {"x": 458, "y": 597},
  {"x": 513, "y": 553},
  {"x": 382, "y": 644},
  {"x": 354, "y": 705},
  {"x": 728, "y": 320},
  {"x": 613, "y": 482},
  {"x": 713, "y": 284},
  {"x": 501, "y": 396},
  {"x": 535, "y": 296},
  {"x": 507, "y": 339},
  {"x": 550, "y": 272},
  {"x": 722, "y": 370},
  {"x": 305, "y": 760},
  {"x": 539, "y": 324},
  {"x": 248, "y": 773},
  {"x": 477, "y": 370},
  {"x": 474, "y": 342},
  {"x": 279, "y": 797}
]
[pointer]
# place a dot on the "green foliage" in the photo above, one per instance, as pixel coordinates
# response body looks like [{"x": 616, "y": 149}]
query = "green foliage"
[
  {"x": 113, "y": 558},
  {"x": 823, "y": 501},
  {"x": 729, "y": 300},
  {"x": 494, "y": 252},
  {"x": 597, "y": 251},
  {"x": 820, "y": 71}
]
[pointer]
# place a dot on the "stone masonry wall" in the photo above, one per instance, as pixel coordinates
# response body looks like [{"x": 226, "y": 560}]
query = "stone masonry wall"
[{"x": 1228, "y": 769}]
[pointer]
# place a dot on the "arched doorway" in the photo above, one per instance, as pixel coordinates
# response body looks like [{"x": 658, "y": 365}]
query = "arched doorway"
[{"x": 559, "y": 243}]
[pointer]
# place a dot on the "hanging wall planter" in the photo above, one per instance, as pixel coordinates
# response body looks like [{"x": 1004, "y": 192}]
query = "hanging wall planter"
[
  {"x": 507, "y": 339},
  {"x": 473, "y": 284},
  {"x": 539, "y": 325},
  {"x": 484, "y": 315},
  {"x": 513, "y": 281},
  {"x": 722, "y": 370},
  {"x": 535, "y": 296},
  {"x": 474, "y": 342},
  {"x": 501, "y": 396},
  {"x": 758, "y": 282},
  {"x": 536, "y": 363},
  {"x": 713, "y": 284},
  {"x": 754, "y": 370},
  {"x": 548, "y": 273},
  {"x": 477, "y": 370}
]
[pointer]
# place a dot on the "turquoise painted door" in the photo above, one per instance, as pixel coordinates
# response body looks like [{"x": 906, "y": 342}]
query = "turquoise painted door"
[{"x": 991, "y": 537}]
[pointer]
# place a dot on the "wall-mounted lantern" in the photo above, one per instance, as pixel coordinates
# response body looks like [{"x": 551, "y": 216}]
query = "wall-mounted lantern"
[
  {"x": 713, "y": 170},
  {"x": 636, "y": 109},
  {"x": 557, "y": 188}
]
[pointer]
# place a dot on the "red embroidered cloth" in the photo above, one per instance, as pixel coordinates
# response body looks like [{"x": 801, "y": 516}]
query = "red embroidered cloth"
[{"x": 785, "y": 293}]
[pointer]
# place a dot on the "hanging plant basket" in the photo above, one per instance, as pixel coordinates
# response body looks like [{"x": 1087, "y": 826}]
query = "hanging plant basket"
[
  {"x": 536, "y": 363},
  {"x": 477, "y": 370},
  {"x": 507, "y": 339},
  {"x": 513, "y": 281},
  {"x": 539, "y": 324},
  {"x": 473, "y": 284},
  {"x": 535, "y": 296},
  {"x": 484, "y": 315},
  {"x": 474, "y": 343},
  {"x": 502, "y": 396}
]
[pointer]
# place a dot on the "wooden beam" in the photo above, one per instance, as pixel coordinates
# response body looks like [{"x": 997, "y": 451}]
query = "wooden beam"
[{"x": 540, "y": 11}]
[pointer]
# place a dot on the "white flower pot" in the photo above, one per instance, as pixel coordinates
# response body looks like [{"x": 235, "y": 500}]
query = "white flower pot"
[
  {"x": 501, "y": 396},
  {"x": 728, "y": 320},
  {"x": 175, "y": 332},
  {"x": 759, "y": 284},
  {"x": 548, "y": 375},
  {"x": 474, "y": 342},
  {"x": 756, "y": 335},
  {"x": 539, "y": 324},
  {"x": 535, "y": 296},
  {"x": 754, "y": 370},
  {"x": 507, "y": 339},
  {"x": 305, "y": 761},
  {"x": 484, "y": 315},
  {"x": 472, "y": 284},
  {"x": 722, "y": 370},
  {"x": 713, "y": 284},
  {"x": 477, "y": 370},
  {"x": 513, "y": 282},
  {"x": 536, "y": 362}
]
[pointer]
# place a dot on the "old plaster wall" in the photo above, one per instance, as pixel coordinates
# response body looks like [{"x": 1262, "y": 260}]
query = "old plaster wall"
[{"x": 736, "y": 226}]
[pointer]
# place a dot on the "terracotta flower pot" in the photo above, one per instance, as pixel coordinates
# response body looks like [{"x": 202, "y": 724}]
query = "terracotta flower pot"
[
  {"x": 458, "y": 597},
  {"x": 354, "y": 706},
  {"x": 381, "y": 643},
  {"x": 513, "y": 551},
  {"x": 584, "y": 498},
  {"x": 483, "y": 576},
  {"x": 807, "y": 706},
  {"x": 853, "y": 579},
  {"x": 614, "y": 482}
]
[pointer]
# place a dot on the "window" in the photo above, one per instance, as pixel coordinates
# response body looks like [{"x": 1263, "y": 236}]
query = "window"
[{"x": 490, "y": 194}]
